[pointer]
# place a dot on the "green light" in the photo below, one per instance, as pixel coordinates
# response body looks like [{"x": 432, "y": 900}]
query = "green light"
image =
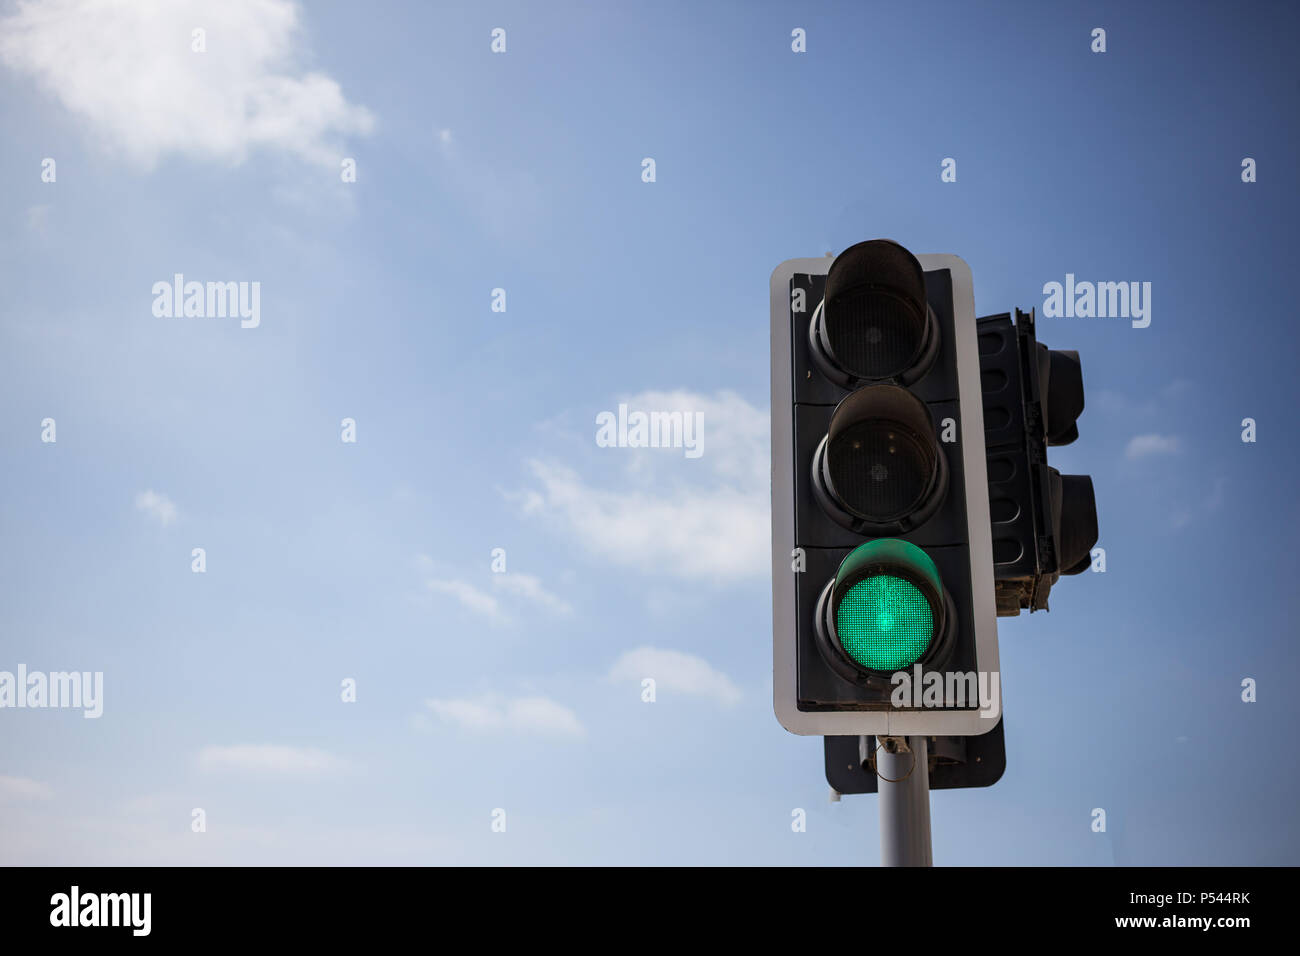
[{"x": 884, "y": 623}]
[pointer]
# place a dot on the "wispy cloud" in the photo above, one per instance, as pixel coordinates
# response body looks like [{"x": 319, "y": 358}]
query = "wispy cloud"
[
  {"x": 530, "y": 588},
  {"x": 129, "y": 72},
  {"x": 508, "y": 201},
  {"x": 470, "y": 597},
  {"x": 1145, "y": 446},
  {"x": 514, "y": 585},
  {"x": 270, "y": 758},
  {"x": 24, "y": 788},
  {"x": 38, "y": 220},
  {"x": 492, "y": 713},
  {"x": 1148, "y": 405},
  {"x": 1205, "y": 507},
  {"x": 676, "y": 672},
  {"x": 663, "y": 514},
  {"x": 157, "y": 506}
]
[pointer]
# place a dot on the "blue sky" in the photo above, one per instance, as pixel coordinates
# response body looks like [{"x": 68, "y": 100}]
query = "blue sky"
[{"x": 475, "y": 429}]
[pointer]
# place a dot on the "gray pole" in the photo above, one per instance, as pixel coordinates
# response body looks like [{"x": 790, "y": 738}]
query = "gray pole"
[{"x": 905, "y": 805}]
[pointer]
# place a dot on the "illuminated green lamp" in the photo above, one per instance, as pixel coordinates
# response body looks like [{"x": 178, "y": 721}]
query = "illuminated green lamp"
[{"x": 888, "y": 605}]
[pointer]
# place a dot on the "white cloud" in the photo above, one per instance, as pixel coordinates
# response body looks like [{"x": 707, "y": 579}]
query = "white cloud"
[
  {"x": 25, "y": 788},
  {"x": 269, "y": 758},
  {"x": 530, "y": 588},
  {"x": 704, "y": 518},
  {"x": 469, "y": 596},
  {"x": 157, "y": 506},
  {"x": 491, "y": 713},
  {"x": 515, "y": 584},
  {"x": 676, "y": 672},
  {"x": 1143, "y": 446},
  {"x": 127, "y": 70}
]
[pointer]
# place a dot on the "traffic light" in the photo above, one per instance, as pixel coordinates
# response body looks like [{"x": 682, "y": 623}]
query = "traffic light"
[
  {"x": 884, "y": 620},
  {"x": 1044, "y": 523}
]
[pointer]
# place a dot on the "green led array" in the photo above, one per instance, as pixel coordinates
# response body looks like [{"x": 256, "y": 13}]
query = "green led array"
[{"x": 884, "y": 623}]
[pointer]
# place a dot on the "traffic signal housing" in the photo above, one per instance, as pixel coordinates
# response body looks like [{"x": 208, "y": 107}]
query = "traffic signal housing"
[
  {"x": 883, "y": 596},
  {"x": 1044, "y": 524},
  {"x": 954, "y": 762}
]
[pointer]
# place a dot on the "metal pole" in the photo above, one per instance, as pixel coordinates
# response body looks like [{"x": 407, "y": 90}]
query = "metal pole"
[{"x": 904, "y": 805}]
